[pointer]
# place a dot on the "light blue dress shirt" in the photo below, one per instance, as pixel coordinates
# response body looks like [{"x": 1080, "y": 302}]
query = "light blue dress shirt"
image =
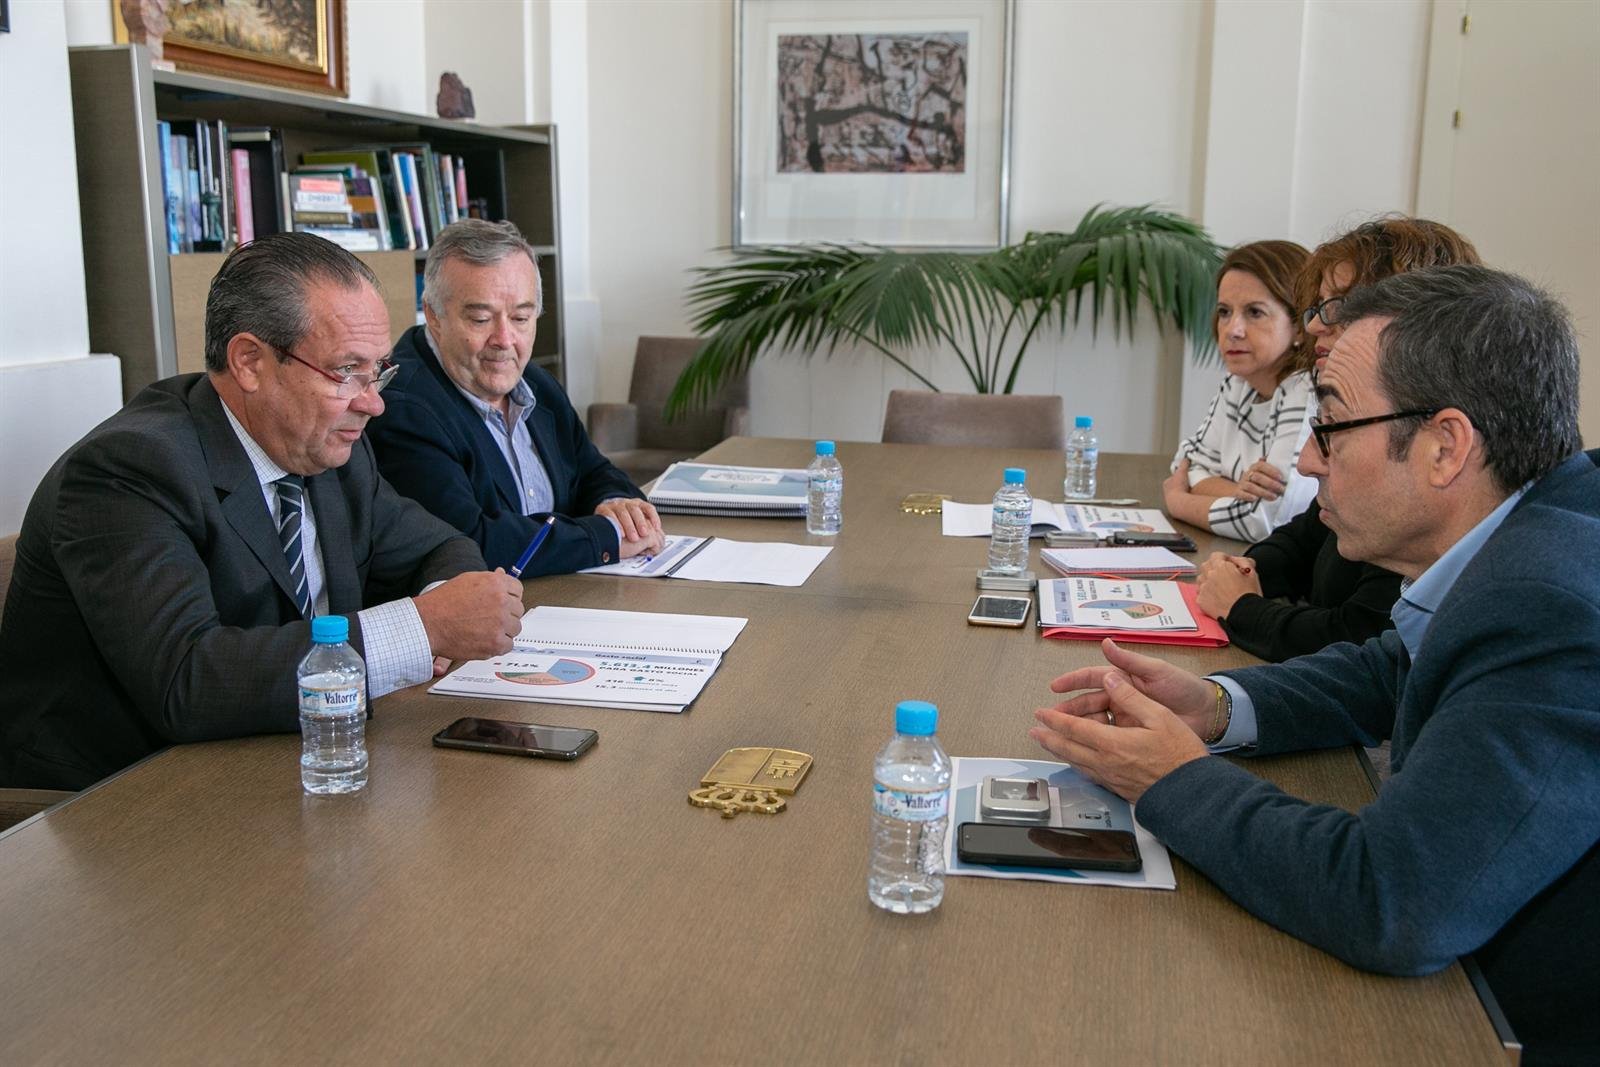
[{"x": 1411, "y": 613}]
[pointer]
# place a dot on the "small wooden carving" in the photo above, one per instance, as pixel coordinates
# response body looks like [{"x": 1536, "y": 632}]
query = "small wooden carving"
[
  {"x": 147, "y": 24},
  {"x": 455, "y": 99}
]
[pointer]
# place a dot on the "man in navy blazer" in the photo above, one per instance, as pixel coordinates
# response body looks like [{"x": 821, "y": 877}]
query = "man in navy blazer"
[
  {"x": 489, "y": 442},
  {"x": 1447, "y": 451}
]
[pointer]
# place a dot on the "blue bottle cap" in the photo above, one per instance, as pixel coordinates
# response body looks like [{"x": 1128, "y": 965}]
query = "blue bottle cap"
[
  {"x": 1016, "y": 476},
  {"x": 917, "y": 718},
  {"x": 330, "y": 629},
  {"x": 1083, "y": 422},
  {"x": 824, "y": 448}
]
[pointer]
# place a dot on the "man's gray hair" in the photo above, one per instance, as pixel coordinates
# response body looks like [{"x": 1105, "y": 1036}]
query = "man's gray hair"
[
  {"x": 1486, "y": 342},
  {"x": 261, "y": 290},
  {"x": 483, "y": 244}
]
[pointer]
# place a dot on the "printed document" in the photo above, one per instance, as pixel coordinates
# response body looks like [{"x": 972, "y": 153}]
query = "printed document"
[
  {"x": 608, "y": 659},
  {"x": 716, "y": 559},
  {"x": 1114, "y": 604},
  {"x": 976, "y": 520}
]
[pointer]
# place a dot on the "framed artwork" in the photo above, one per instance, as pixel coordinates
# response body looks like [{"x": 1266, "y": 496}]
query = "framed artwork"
[
  {"x": 296, "y": 44},
  {"x": 876, "y": 122}
]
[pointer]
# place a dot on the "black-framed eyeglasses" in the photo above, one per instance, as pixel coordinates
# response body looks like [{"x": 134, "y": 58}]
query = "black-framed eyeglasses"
[
  {"x": 1326, "y": 310},
  {"x": 351, "y": 385},
  {"x": 1322, "y": 430}
]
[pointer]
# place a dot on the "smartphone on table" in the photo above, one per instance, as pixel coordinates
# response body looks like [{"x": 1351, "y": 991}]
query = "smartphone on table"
[
  {"x": 1048, "y": 846},
  {"x": 516, "y": 738},
  {"x": 1177, "y": 542},
  {"x": 999, "y": 610}
]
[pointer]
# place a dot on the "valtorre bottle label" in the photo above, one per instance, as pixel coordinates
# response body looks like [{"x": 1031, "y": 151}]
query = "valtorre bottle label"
[
  {"x": 330, "y": 701},
  {"x": 910, "y": 807}
]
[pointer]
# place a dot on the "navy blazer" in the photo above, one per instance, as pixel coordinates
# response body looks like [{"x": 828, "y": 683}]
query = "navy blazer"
[
  {"x": 151, "y": 601},
  {"x": 1486, "y": 839},
  {"x": 432, "y": 446}
]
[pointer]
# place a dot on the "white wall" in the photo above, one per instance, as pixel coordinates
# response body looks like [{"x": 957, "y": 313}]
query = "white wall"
[
  {"x": 1264, "y": 120},
  {"x": 386, "y": 48},
  {"x": 485, "y": 42},
  {"x": 52, "y": 390}
]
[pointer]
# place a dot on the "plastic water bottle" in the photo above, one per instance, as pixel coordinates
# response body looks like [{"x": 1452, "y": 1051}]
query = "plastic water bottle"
[
  {"x": 333, "y": 710},
  {"x": 1083, "y": 459},
  {"x": 910, "y": 813},
  {"x": 1012, "y": 525},
  {"x": 824, "y": 492}
]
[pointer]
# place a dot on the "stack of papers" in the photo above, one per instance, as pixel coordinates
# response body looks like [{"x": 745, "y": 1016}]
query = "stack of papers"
[
  {"x": 1135, "y": 610},
  {"x": 716, "y": 559},
  {"x": 642, "y": 661},
  {"x": 976, "y": 520},
  {"x": 1117, "y": 562},
  {"x": 708, "y": 489}
]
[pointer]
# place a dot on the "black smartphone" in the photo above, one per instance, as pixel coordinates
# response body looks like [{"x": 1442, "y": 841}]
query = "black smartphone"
[
  {"x": 517, "y": 738},
  {"x": 1177, "y": 542},
  {"x": 1048, "y": 846}
]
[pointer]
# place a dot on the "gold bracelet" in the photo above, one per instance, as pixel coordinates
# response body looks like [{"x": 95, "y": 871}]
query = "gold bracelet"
[{"x": 1221, "y": 717}]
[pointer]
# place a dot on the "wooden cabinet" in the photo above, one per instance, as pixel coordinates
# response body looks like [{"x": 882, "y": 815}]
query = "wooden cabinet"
[{"x": 148, "y": 307}]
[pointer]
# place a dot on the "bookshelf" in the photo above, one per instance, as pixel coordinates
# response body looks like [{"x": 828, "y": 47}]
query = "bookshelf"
[{"x": 148, "y": 307}]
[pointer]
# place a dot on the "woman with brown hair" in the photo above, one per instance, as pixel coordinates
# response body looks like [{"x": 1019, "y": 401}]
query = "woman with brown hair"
[
  {"x": 1260, "y": 418},
  {"x": 1292, "y": 593}
]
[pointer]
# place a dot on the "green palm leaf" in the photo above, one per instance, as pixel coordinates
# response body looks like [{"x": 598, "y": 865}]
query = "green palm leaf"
[{"x": 813, "y": 299}]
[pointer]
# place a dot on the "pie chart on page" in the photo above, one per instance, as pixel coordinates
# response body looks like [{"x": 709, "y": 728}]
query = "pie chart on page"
[{"x": 561, "y": 672}]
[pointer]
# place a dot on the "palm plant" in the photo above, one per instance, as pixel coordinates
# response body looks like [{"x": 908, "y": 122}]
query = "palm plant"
[{"x": 988, "y": 307}]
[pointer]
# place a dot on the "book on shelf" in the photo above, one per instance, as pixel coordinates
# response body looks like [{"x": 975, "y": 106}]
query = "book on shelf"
[
  {"x": 377, "y": 165},
  {"x": 171, "y": 199},
  {"x": 244, "y": 219},
  {"x": 263, "y": 146}
]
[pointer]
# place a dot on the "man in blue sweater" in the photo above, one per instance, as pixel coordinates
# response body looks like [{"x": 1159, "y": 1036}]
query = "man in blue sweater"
[{"x": 1447, "y": 451}]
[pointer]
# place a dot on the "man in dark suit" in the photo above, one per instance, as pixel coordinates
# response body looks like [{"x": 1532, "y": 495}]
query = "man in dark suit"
[
  {"x": 170, "y": 562},
  {"x": 488, "y": 441},
  {"x": 1447, "y": 452}
]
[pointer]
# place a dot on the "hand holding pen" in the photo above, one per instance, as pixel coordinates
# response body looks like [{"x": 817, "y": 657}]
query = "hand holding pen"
[{"x": 538, "y": 541}]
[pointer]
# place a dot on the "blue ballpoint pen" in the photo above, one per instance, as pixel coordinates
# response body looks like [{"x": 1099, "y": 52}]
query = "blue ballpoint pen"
[{"x": 533, "y": 546}]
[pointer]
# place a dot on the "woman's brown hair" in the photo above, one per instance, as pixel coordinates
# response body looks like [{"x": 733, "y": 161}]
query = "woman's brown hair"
[
  {"x": 1278, "y": 265},
  {"x": 1392, "y": 244}
]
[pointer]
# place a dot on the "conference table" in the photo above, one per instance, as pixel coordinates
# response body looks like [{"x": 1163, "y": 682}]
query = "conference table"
[{"x": 468, "y": 907}]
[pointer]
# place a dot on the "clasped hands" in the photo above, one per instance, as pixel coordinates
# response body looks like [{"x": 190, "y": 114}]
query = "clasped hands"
[
  {"x": 1139, "y": 720},
  {"x": 641, "y": 525}
]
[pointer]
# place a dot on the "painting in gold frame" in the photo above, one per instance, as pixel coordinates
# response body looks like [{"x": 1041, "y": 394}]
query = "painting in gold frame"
[{"x": 296, "y": 44}]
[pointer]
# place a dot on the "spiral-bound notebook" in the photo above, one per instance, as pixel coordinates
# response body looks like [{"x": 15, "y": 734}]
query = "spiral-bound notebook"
[{"x": 642, "y": 661}]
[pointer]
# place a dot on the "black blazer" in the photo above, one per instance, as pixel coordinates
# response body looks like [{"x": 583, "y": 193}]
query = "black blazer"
[
  {"x": 151, "y": 602},
  {"x": 432, "y": 446}
]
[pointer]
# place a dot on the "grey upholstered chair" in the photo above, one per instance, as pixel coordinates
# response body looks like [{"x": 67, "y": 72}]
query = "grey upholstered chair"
[
  {"x": 987, "y": 420},
  {"x": 637, "y": 437}
]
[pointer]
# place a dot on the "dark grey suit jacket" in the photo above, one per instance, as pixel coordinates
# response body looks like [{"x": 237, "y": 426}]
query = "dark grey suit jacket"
[{"x": 151, "y": 603}]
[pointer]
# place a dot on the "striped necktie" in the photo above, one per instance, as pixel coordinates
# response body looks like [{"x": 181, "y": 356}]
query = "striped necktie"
[{"x": 291, "y": 497}]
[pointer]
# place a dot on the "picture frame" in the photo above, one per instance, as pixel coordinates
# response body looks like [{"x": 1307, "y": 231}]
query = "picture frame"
[
  {"x": 875, "y": 122},
  {"x": 294, "y": 44}
]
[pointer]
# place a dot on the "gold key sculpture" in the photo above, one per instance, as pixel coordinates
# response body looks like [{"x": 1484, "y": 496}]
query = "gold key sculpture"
[{"x": 751, "y": 779}]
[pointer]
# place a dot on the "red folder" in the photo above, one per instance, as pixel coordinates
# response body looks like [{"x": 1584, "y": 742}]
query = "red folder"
[{"x": 1209, "y": 634}]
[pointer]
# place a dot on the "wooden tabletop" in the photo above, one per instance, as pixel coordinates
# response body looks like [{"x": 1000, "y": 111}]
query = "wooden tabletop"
[{"x": 469, "y": 908}]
